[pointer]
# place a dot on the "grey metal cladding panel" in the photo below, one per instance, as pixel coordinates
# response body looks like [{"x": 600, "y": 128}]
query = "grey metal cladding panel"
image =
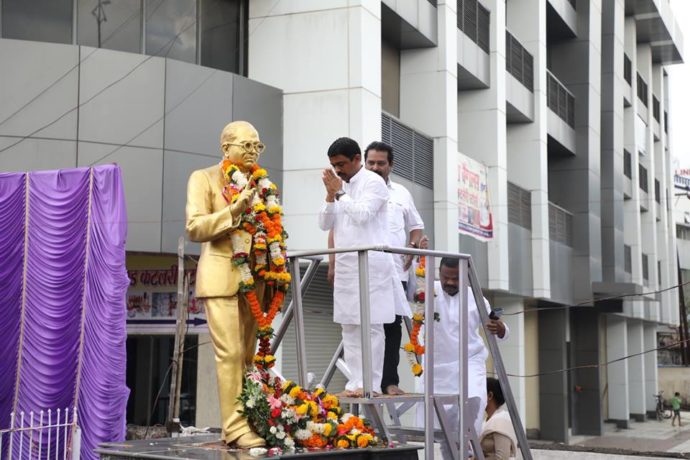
[
  {"x": 423, "y": 160},
  {"x": 38, "y": 93},
  {"x": 177, "y": 168},
  {"x": 561, "y": 271},
  {"x": 520, "y": 260},
  {"x": 142, "y": 177},
  {"x": 121, "y": 97},
  {"x": 198, "y": 104},
  {"x": 423, "y": 198},
  {"x": 262, "y": 106},
  {"x": 36, "y": 154},
  {"x": 478, "y": 251}
]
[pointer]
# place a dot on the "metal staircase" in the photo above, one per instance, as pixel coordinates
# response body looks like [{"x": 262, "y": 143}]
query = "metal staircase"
[{"x": 435, "y": 405}]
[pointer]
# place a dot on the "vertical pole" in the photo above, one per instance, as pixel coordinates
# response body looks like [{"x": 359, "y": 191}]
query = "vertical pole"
[
  {"x": 175, "y": 378},
  {"x": 296, "y": 286},
  {"x": 462, "y": 353},
  {"x": 365, "y": 321},
  {"x": 11, "y": 433},
  {"x": 40, "y": 433},
  {"x": 429, "y": 359}
]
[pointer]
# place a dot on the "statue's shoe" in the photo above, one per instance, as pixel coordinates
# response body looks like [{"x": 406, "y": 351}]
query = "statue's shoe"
[{"x": 249, "y": 440}]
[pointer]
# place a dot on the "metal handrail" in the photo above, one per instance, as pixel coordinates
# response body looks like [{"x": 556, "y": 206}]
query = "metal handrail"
[{"x": 466, "y": 273}]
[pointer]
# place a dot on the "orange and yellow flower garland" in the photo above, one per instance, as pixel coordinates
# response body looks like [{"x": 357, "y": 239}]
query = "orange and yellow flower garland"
[
  {"x": 413, "y": 348},
  {"x": 263, "y": 221}
]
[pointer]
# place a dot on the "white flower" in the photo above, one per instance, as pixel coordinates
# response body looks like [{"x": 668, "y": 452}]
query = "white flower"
[
  {"x": 346, "y": 417},
  {"x": 302, "y": 434},
  {"x": 280, "y": 435},
  {"x": 287, "y": 399},
  {"x": 289, "y": 443},
  {"x": 273, "y": 430},
  {"x": 250, "y": 403},
  {"x": 257, "y": 451}
]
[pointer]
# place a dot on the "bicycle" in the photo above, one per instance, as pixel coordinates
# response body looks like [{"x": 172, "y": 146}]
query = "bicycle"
[{"x": 661, "y": 411}]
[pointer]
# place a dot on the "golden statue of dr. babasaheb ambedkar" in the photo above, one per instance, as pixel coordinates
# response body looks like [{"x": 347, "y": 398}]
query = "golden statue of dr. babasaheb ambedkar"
[{"x": 210, "y": 220}]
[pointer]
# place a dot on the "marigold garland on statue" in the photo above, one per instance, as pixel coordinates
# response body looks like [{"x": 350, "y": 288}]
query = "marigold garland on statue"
[
  {"x": 263, "y": 221},
  {"x": 413, "y": 348}
]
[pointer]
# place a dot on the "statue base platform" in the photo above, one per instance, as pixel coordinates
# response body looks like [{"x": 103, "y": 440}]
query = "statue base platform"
[{"x": 209, "y": 447}]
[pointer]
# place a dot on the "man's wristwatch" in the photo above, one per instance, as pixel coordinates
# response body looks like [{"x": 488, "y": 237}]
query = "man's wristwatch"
[{"x": 338, "y": 194}]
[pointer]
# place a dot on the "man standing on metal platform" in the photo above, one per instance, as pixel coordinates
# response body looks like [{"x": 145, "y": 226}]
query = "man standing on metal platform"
[{"x": 356, "y": 211}]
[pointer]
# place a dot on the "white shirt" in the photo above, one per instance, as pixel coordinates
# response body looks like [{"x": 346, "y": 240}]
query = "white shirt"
[
  {"x": 402, "y": 219},
  {"x": 360, "y": 218},
  {"x": 446, "y": 340}
]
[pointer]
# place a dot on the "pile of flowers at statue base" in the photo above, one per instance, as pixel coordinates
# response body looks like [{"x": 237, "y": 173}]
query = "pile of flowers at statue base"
[{"x": 289, "y": 417}]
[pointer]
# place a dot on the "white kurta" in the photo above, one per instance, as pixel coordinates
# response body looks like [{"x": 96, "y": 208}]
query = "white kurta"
[
  {"x": 360, "y": 218},
  {"x": 402, "y": 219},
  {"x": 446, "y": 343}
]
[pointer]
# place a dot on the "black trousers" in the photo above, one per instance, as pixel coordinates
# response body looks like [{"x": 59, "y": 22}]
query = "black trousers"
[{"x": 391, "y": 358}]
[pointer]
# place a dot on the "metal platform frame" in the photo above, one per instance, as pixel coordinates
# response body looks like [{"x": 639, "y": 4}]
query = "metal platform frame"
[{"x": 433, "y": 403}]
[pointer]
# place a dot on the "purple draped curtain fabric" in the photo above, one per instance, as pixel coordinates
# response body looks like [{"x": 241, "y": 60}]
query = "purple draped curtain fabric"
[{"x": 63, "y": 283}]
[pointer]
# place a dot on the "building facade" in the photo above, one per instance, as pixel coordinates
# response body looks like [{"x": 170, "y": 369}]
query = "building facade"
[{"x": 564, "y": 102}]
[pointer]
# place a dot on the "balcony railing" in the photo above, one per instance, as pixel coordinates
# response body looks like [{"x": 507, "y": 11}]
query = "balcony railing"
[
  {"x": 474, "y": 20},
  {"x": 560, "y": 225},
  {"x": 560, "y": 100},
  {"x": 519, "y": 62}
]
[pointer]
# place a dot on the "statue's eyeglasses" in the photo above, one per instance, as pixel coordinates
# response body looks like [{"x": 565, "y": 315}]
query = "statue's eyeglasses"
[{"x": 249, "y": 146}]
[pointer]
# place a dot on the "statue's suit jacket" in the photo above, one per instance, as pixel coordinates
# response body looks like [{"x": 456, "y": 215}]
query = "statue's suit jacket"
[{"x": 210, "y": 222}]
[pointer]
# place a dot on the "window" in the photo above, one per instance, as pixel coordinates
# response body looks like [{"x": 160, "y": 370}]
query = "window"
[
  {"x": 682, "y": 232},
  {"x": 560, "y": 225},
  {"x": 474, "y": 20},
  {"x": 113, "y": 25},
  {"x": 658, "y": 271},
  {"x": 519, "y": 206},
  {"x": 642, "y": 90},
  {"x": 656, "y": 109},
  {"x": 627, "y": 164},
  {"x": 224, "y": 35},
  {"x": 519, "y": 62},
  {"x": 40, "y": 20},
  {"x": 643, "y": 178},
  {"x": 657, "y": 191},
  {"x": 627, "y": 255},
  {"x": 171, "y": 29},
  {"x": 414, "y": 152},
  {"x": 665, "y": 121},
  {"x": 627, "y": 69},
  {"x": 645, "y": 267}
]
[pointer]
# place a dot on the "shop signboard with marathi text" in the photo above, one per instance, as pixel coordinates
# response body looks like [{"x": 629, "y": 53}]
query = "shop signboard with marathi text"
[
  {"x": 152, "y": 296},
  {"x": 474, "y": 207}
]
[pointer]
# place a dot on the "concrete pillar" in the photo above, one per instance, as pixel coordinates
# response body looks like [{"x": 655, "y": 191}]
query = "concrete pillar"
[
  {"x": 482, "y": 136},
  {"x": 585, "y": 382},
  {"x": 513, "y": 350},
  {"x": 618, "y": 385},
  {"x": 633, "y": 224},
  {"x": 651, "y": 374},
  {"x": 527, "y": 156},
  {"x": 612, "y": 141},
  {"x": 326, "y": 57},
  {"x": 553, "y": 387},
  {"x": 207, "y": 404},
  {"x": 428, "y": 88},
  {"x": 576, "y": 183},
  {"x": 636, "y": 370}
]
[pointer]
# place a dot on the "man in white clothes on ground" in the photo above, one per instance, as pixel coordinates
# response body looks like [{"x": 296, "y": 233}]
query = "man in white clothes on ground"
[
  {"x": 356, "y": 211},
  {"x": 446, "y": 343},
  {"x": 403, "y": 222}
]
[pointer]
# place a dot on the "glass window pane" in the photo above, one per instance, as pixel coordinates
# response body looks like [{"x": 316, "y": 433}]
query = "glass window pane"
[
  {"x": 40, "y": 20},
  {"x": 171, "y": 29},
  {"x": 111, "y": 24},
  {"x": 220, "y": 34}
]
